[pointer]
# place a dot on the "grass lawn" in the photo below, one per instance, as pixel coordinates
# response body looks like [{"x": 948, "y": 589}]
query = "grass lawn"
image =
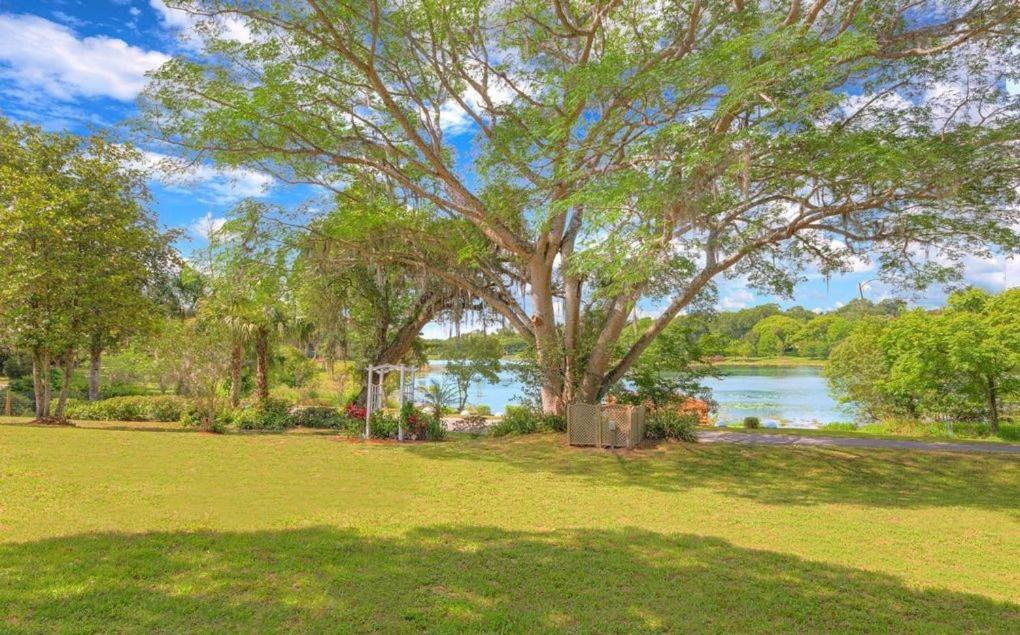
[
  {"x": 110, "y": 529},
  {"x": 863, "y": 433}
]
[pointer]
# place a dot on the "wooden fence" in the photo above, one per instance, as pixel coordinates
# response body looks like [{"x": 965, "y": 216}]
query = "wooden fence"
[{"x": 615, "y": 425}]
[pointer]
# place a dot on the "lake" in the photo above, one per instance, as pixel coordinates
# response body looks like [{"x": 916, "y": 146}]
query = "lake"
[{"x": 790, "y": 396}]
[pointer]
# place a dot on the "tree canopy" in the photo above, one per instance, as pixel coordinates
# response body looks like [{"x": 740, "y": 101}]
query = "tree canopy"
[
  {"x": 79, "y": 253},
  {"x": 623, "y": 151}
]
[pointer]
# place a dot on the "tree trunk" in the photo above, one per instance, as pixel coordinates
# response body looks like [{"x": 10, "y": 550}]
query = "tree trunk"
[
  {"x": 67, "y": 364},
  {"x": 262, "y": 365},
  {"x": 235, "y": 373},
  {"x": 993, "y": 406},
  {"x": 41, "y": 383},
  {"x": 547, "y": 350},
  {"x": 95, "y": 359}
]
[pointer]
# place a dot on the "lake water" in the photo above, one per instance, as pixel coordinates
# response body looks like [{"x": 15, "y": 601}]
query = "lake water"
[{"x": 794, "y": 396}]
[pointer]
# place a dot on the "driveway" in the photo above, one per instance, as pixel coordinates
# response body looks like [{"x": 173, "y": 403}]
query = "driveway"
[{"x": 726, "y": 436}]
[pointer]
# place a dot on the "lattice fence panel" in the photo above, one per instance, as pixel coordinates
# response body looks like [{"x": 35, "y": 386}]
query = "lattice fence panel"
[
  {"x": 583, "y": 421},
  {"x": 613, "y": 425}
]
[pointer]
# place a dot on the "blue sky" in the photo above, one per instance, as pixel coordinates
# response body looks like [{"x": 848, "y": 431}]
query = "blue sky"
[{"x": 79, "y": 65}]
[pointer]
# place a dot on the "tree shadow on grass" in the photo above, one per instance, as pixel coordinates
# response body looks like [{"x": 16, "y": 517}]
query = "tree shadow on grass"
[
  {"x": 456, "y": 579},
  {"x": 771, "y": 475}
]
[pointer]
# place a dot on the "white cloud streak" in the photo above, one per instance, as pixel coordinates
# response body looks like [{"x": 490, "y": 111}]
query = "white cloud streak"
[{"x": 37, "y": 54}]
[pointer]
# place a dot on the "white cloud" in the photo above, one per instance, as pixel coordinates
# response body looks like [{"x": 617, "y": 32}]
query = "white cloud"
[
  {"x": 220, "y": 185},
  {"x": 228, "y": 27},
  {"x": 38, "y": 54},
  {"x": 735, "y": 298},
  {"x": 135, "y": 11},
  {"x": 994, "y": 274},
  {"x": 206, "y": 226}
]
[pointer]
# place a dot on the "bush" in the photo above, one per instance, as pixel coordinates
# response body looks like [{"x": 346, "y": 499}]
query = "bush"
[
  {"x": 132, "y": 408},
  {"x": 318, "y": 417},
  {"x": 840, "y": 426},
  {"x": 434, "y": 430},
  {"x": 273, "y": 415},
  {"x": 16, "y": 366},
  {"x": 752, "y": 423},
  {"x": 666, "y": 423},
  {"x": 520, "y": 420},
  {"x": 1009, "y": 432},
  {"x": 21, "y": 405},
  {"x": 382, "y": 426},
  {"x": 481, "y": 410}
]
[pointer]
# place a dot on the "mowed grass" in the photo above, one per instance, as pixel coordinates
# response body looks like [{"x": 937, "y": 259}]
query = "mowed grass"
[{"x": 107, "y": 529}]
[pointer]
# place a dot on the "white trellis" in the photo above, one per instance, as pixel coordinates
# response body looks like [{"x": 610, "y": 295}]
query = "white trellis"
[{"x": 376, "y": 391}]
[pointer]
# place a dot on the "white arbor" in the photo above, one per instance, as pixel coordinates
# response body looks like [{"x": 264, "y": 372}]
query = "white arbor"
[{"x": 377, "y": 392}]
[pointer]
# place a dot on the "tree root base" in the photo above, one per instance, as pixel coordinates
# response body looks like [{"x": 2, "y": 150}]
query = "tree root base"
[{"x": 52, "y": 421}]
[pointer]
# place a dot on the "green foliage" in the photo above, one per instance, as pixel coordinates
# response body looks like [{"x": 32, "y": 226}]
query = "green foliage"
[
  {"x": 293, "y": 368},
  {"x": 840, "y": 426},
  {"x": 382, "y": 425},
  {"x": 524, "y": 420},
  {"x": 78, "y": 250},
  {"x": 635, "y": 152},
  {"x": 752, "y": 423},
  {"x": 959, "y": 364},
  {"x": 434, "y": 430},
  {"x": 438, "y": 396},
  {"x": 667, "y": 423},
  {"x": 774, "y": 336},
  {"x": 318, "y": 418},
  {"x": 131, "y": 408},
  {"x": 16, "y": 366},
  {"x": 271, "y": 415},
  {"x": 669, "y": 371}
]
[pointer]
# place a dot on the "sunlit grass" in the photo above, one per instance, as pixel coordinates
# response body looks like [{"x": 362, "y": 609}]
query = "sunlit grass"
[{"x": 109, "y": 529}]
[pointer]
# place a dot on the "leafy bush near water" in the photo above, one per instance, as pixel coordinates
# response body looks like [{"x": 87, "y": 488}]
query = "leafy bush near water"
[
  {"x": 840, "y": 426},
  {"x": 520, "y": 420},
  {"x": 752, "y": 423},
  {"x": 666, "y": 423}
]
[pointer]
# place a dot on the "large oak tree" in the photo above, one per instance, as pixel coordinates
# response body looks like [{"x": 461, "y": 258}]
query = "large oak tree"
[{"x": 623, "y": 151}]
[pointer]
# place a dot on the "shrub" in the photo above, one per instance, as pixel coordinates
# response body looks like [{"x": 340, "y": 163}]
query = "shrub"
[
  {"x": 1009, "y": 432},
  {"x": 21, "y": 406},
  {"x": 272, "y": 415},
  {"x": 841, "y": 426},
  {"x": 382, "y": 426},
  {"x": 354, "y": 411},
  {"x": 434, "y": 430},
  {"x": 131, "y": 408},
  {"x": 666, "y": 423},
  {"x": 318, "y": 417},
  {"x": 16, "y": 366},
  {"x": 481, "y": 410},
  {"x": 752, "y": 423},
  {"x": 520, "y": 420}
]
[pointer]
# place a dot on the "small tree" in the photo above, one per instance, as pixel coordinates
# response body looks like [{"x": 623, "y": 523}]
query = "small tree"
[
  {"x": 474, "y": 357},
  {"x": 438, "y": 396},
  {"x": 203, "y": 363},
  {"x": 249, "y": 293}
]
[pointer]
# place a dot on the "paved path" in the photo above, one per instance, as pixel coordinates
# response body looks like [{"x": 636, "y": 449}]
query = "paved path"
[{"x": 721, "y": 436}]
